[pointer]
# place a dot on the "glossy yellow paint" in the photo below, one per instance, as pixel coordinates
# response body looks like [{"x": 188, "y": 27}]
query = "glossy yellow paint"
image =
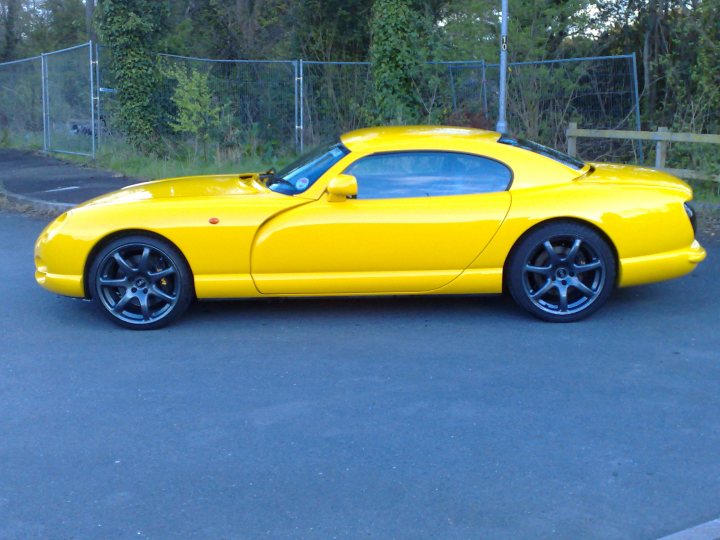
[{"x": 269, "y": 244}]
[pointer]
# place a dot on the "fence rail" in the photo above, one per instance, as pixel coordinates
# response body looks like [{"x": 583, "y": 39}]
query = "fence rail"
[{"x": 661, "y": 137}]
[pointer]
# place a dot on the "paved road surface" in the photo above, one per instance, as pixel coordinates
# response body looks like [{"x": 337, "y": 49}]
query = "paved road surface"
[{"x": 404, "y": 418}]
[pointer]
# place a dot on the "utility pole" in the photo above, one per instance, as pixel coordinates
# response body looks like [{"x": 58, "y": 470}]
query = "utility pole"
[{"x": 502, "y": 123}]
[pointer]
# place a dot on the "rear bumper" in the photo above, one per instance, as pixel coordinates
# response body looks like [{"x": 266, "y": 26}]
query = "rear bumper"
[{"x": 660, "y": 266}]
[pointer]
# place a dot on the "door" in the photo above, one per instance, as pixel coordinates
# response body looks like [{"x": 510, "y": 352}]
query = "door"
[{"x": 419, "y": 219}]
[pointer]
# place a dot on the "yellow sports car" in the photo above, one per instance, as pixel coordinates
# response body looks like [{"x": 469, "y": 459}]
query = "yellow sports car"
[{"x": 381, "y": 211}]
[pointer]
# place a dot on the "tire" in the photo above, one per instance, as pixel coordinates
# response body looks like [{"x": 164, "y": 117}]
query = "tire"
[
  {"x": 561, "y": 272},
  {"x": 140, "y": 282}
]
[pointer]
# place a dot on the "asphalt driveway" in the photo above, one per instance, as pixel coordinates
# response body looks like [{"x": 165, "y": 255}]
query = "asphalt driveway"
[{"x": 382, "y": 418}]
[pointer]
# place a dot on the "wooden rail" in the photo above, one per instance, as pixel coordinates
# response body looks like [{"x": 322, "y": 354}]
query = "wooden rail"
[{"x": 662, "y": 137}]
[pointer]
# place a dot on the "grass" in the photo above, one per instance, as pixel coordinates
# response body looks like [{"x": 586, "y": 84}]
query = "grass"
[
  {"x": 118, "y": 156},
  {"x": 122, "y": 158}
]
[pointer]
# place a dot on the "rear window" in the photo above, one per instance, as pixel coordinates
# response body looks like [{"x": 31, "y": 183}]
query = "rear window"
[{"x": 551, "y": 153}]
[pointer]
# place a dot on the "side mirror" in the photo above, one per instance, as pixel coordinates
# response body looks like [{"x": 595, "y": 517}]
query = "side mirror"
[{"x": 341, "y": 187}]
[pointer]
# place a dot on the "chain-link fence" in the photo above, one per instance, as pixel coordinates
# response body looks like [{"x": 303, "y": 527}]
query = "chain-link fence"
[
  {"x": 598, "y": 92},
  {"x": 68, "y": 81},
  {"x": 47, "y": 101},
  {"x": 271, "y": 106},
  {"x": 21, "y": 102}
]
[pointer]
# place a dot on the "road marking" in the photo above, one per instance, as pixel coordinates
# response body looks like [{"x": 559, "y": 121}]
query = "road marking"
[
  {"x": 68, "y": 188},
  {"x": 705, "y": 531}
]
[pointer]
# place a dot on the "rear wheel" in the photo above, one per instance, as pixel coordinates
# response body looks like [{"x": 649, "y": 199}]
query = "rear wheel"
[
  {"x": 141, "y": 282},
  {"x": 562, "y": 272}
]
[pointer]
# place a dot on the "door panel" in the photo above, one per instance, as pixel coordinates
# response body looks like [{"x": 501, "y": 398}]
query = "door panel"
[{"x": 374, "y": 246}]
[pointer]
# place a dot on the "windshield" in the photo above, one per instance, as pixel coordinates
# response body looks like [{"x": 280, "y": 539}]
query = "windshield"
[
  {"x": 562, "y": 157},
  {"x": 303, "y": 172}
]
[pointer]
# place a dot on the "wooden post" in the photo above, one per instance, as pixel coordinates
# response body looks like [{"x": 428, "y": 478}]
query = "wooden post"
[
  {"x": 571, "y": 139},
  {"x": 661, "y": 150}
]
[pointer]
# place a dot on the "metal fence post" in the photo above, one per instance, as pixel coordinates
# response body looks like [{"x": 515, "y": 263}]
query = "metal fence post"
[
  {"x": 44, "y": 91},
  {"x": 452, "y": 87},
  {"x": 637, "y": 105},
  {"x": 484, "y": 91},
  {"x": 301, "y": 83},
  {"x": 97, "y": 94},
  {"x": 92, "y": 96},
  {"x": 295, "y": 100}
]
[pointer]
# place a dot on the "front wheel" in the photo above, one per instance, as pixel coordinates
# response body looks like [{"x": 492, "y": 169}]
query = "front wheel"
[
  {"x": 140, "y": 282},
  {"x": 561, "y": 272}
]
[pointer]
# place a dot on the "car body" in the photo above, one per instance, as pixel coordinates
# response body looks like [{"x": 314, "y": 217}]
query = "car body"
[{"x": 388, "y": 210}]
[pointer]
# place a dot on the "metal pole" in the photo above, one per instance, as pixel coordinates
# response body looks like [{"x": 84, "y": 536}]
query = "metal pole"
[
  {"x": 97, "y": 92},
  {"x": 452, "y": 86},
  {"x": 92, "y": 96},
  {"x": 484, "y": 90},
  {"x": 45, "y": 102},
  {"x": 502, "y": 123},
  {"x": 637, "y": 106},
  {"x": 302, "y": 137},
  {"x": 295, "y": 100}
]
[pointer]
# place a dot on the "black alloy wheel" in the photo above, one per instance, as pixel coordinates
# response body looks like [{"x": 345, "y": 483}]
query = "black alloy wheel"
[
  {"x": 141, "y": 282},
  {"x": 562, "y": 272}
]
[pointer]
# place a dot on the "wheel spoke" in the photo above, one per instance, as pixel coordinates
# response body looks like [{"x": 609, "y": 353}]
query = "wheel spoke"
[
  {"x": 144, "y": 307},
  {"x": 155, "y": 276},
  {"x": 580, "y": 268},
  {"x": 542, "y": 290},
  {"x": 124, "y": 265},
  {"x": 118, "y": 308},
  {"x": 580, "y": 286},
  {"x": 161, "y": 294},
  {"x": 144, "y": 258},
  {"x": 574, "y": 250},
  {"x": 550, "y": 251},
  {"x": 108, "y": 282},
  {"x": 563, "y": 306},
  {"x": 543, "y": 270}
]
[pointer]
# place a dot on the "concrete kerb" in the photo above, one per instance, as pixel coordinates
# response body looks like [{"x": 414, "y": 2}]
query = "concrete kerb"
[{"x": 37, "y": 205}]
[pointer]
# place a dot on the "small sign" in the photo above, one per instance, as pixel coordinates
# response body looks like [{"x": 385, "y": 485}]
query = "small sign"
[{"x": 503, "y": 43}]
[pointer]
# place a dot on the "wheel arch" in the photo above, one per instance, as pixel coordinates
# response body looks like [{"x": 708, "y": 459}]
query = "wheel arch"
[
  {"x": 574, "y": 220},
  {"x": 111, "y": 237}
]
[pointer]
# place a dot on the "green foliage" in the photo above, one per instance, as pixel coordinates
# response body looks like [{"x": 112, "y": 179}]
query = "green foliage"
[
  {"x": 198, "y": 114},
  {"x": 404, "y": 89},
  {"x": 128, "y": 28},
  {"x": 537, "y": 29}
]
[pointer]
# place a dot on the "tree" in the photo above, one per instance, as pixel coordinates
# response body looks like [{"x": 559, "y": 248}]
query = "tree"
[
  {"x": 400, "y": 48},
  {"x": 197, "y": 113},
  {"x": 129, "y": 28},
  {"x": 11, "y": 15}
]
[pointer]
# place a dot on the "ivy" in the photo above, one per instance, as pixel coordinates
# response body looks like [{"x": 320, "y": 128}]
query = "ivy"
[
  {"x": 128, "y": 28},
  {"x": 406, "y": 88}
]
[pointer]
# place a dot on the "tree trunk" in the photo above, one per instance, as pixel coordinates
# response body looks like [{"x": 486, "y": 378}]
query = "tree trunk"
[{"x": 11, "y": 32}]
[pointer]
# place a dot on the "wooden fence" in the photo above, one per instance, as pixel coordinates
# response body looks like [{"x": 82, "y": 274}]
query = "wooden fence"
[{"x": 662, "y": 137}]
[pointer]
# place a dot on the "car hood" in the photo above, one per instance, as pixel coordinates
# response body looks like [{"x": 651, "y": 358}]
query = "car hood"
[
  {"x": 634, "y": 175},
  {"x": 218, "y": 185}
]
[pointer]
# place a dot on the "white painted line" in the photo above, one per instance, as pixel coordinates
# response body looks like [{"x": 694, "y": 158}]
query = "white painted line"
[
  {"x": 705, "y": 531},
  {"x": 68, "y": 188}
]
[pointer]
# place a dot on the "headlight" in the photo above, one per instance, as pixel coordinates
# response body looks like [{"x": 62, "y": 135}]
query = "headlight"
[{"x": 690, "y": 211}]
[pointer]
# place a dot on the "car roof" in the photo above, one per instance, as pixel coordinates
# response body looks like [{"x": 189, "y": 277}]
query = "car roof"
[{"x": 409, "y": 136}]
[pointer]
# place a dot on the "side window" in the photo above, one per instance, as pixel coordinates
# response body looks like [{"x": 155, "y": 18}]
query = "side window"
[{"x": 427, "y": 174}]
